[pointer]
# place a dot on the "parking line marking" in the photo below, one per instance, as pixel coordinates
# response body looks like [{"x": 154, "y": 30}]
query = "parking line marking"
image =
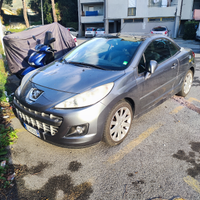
[
  {"x": 130, "y": 146},
  {"x": 177, "y": 109},
  {"x": 191, "y": 99},
  {"x": 20, "y": 130},
  {"x": 193, "y": 183}
]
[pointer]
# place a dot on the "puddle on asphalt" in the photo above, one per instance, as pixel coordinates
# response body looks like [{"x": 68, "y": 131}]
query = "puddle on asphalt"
[
  {"x": 63, "y": 183},
  {"x": 191, "y": 158},
  {"x": 186, "y": 103},
  {"x": 74, "y": 166}
]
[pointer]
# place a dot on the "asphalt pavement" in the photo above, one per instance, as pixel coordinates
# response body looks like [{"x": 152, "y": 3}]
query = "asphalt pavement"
[{"x": 159, "y": 159}]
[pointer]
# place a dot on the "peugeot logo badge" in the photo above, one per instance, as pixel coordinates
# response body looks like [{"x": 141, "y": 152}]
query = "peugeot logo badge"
[{"x": 33, "y": 95}]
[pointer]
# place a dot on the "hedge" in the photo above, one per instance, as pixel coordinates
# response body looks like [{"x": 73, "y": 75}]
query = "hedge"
[{"x": 190, "y": 28}]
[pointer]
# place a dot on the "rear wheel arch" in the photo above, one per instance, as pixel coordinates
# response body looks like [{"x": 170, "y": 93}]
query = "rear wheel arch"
[{"x": 192, "y": 69}]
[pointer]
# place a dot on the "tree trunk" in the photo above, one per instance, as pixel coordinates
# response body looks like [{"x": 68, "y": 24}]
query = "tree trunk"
[
  {"x": 25, "y": 13},
  {"x": 54, "y": 11},
  {"x": 1, "y": 2}
]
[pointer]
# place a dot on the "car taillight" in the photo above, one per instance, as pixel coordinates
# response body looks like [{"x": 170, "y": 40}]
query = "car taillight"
[
  {"x": 104, "y": 32},
  {"x": 193, "y": 54},
  {"x": 92, "y": 29},
  {"x": 75, "y": 40},
  {"x": 96, "y": 32},
  {"x": 165, "y": 32},
  {"x": 152, "y": 32}
]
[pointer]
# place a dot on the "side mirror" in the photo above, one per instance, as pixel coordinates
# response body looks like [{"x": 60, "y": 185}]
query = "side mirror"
[
  {"x": 34, "y": 37},
  {"x": 52, "y": 40},
  {"x": 153, "y": 67}
]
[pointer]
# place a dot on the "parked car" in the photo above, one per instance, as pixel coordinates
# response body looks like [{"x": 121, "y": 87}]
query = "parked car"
[
  {"x": 100, "y": 32},
  {"x": 75, "y": 40},
  {"x": 96, "y": 89},
  {"x": 90, "y": 32},
  {"x": 163, "y": 30},
  {"x": 198, "y": 33},
  {"x": 73, "y": 31}
]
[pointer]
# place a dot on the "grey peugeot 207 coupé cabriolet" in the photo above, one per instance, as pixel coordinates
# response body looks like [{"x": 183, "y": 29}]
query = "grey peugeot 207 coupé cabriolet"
[{"x": 96, "y": 89}]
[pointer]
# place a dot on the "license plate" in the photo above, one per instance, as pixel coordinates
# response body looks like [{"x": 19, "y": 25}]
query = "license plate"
[
  {"x": 32, "y": 130},
  {"x": 88, "y": 32}
]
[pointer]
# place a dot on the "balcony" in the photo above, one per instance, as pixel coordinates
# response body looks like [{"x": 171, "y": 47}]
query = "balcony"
[
  {"x": 92, "y": 19},
  {"x": 159, "y": 3}
]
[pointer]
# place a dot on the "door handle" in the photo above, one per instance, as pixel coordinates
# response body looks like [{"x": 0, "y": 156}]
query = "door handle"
[{"x": 174, "y": 66}]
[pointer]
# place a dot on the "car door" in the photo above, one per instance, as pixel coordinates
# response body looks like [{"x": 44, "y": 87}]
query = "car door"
[{"x": 161, "y": 82}]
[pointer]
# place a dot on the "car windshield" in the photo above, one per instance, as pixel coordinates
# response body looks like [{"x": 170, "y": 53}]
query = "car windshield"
[
  {"x": 104, "y": 53},
  {"x": 159, "y": 29}
]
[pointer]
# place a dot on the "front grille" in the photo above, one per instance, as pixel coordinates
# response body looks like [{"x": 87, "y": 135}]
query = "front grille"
[{"x": 44, "y": 127}]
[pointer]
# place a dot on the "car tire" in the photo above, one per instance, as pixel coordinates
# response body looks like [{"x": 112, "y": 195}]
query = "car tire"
[
  {"x": 118, "y": 123},
  {"x": 186, "y": 85}
]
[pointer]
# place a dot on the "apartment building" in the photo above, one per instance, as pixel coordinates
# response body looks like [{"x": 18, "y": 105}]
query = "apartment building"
[{"x": 136, "y": 16}]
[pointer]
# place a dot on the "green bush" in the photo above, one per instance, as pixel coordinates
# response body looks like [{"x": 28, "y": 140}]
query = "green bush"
[{"x": 190, "y": 28}]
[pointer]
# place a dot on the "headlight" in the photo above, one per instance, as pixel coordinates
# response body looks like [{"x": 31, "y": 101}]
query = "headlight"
[{"x": 87, "y": 98}]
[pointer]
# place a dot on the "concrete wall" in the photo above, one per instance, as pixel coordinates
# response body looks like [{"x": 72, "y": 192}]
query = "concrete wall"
[
  {"x": 119, "y": 9},
  {"x": 187, "y": 10},
  {"x": 146, "y": 26}
]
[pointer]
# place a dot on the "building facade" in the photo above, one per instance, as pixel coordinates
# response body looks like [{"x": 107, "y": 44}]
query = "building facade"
[{"x": 136, "y": 16}]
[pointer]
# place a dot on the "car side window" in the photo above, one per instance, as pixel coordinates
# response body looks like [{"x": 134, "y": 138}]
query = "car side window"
[
  {"x": 173, "y": 48},
  {"x": 158, "y": 50},
  {"x": 141, "y": 65}
]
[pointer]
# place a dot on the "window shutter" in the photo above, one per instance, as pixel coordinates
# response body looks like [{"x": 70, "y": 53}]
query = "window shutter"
[{"x": 132, "y": 4}]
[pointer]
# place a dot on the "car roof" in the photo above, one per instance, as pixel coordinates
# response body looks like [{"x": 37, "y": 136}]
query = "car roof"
[
  {"x": 159, "y": 27},
  {"x": 134, "y": 36}
]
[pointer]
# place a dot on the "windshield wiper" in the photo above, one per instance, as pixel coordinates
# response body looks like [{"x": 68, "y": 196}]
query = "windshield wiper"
[{"x": 85, "y": 64}]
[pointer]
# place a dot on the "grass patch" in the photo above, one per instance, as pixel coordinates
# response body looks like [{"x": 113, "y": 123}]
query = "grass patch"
[
  {"x": 7, "y": 134},
  {"x": 15, "y": 30}
]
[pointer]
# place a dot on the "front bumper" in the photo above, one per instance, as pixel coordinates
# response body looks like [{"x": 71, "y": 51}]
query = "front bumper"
[{"x": 53, "y": 125}]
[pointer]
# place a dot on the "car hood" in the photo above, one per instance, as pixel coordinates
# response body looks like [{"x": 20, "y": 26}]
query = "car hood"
[{"x": 73, "y": 79}]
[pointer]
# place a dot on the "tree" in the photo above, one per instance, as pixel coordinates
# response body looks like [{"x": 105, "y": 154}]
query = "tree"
[
  {"x": 53, "y": 10},
  {"x": 65, "y": 10},
  {"x": 8, "y": 2},
  {"x": 19, "y": 11},
  {"x": 25, "y": 13}
]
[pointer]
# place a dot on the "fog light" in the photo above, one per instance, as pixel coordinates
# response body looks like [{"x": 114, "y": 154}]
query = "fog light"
[{"x": 78, "y": 130}]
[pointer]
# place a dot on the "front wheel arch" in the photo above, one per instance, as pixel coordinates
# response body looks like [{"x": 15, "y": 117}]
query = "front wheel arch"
[{"x": 118, "y": 123}]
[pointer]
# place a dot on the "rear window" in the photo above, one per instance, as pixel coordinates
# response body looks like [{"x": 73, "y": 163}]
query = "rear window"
[
  {"x": 159, "y": 29},
  {"x": 89, "y": 29},
  {"x": 101, "y": 29}
]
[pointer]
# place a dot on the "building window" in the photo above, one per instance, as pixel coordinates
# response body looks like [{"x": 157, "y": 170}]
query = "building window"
[
  {"x": 160, "y": 19},
  {"x": 132, "y": 8},
  {"x": 165, "y": 19},
  {"x": 160, "y": 3},
  {"x": 131, "y": 11},
  {"x": 128, "y": 20},
  {"x": 91, "y": 8},
  {"x": 155, "y": 19},
  {"x": 133, "y": 20},
  {"x": 138, "y": 20}
]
